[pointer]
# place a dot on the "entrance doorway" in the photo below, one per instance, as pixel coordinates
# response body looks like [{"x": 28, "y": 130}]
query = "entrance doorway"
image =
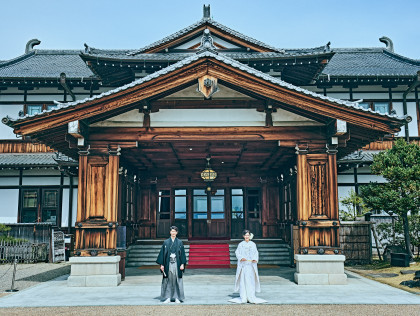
[{"x": 209, "y": 214}]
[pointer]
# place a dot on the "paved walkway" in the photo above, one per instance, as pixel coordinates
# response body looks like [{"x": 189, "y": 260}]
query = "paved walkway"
[{"x": 209, "y": 286}]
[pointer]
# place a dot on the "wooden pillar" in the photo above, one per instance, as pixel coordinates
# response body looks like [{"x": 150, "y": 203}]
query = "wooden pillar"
[
  {"x": 97, "y": 209},
  {"x": 302, "y": 196},
  {"x": 317, "y": 202}
]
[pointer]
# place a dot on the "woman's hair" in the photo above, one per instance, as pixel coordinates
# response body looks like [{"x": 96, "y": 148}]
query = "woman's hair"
[
  {"x": 246, "y": 231},
  {"x": 174, "y": 228}
]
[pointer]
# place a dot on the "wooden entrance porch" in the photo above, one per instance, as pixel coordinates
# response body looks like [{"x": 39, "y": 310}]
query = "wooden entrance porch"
[{"x": 141, "y": 149}]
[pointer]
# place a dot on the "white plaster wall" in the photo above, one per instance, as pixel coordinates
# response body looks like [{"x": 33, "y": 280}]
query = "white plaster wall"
[
  {"x": 345, "y": 178},
  {"x": 8, "y": 181},
  {"x": 65, "y": 208},
  {"x": 207, "y": 117},
  {"x": 369, "y": 96},
  {"x": 11, "y": 110},
  {"x": 339, "y": 95},
  {"x": 9, "y": 200},
  {"x": 41, "y": 181},
  {"x": 343, "y": 192},
  {"x": 191, "y": 93},
  {"x": 42, "y": 98},
  {"x": 364, "y": 178},
  {"x": 285, "y": 118},
  {"x": 7, "y": 98},
  {"x": 66, "y": 181},
  {"x": 74, "y": 207},
  {"x": 129, "y": 119}
]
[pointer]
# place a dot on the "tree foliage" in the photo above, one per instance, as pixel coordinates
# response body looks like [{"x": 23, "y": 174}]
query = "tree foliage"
[
  {"x": 355, "y": 206},
  {"x": 400, "y": 166}
]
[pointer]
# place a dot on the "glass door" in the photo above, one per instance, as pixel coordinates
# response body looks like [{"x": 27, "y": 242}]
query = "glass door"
[{"x": 209, "y": 216}]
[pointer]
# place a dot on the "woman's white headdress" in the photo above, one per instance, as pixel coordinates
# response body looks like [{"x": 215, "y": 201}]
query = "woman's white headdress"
[{"x": 251, "y": 235}]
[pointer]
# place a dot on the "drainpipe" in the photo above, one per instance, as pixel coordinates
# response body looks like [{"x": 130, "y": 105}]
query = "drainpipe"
[
  {"x": 65, "y": 86},
  {"x": 415, "y": 84}
]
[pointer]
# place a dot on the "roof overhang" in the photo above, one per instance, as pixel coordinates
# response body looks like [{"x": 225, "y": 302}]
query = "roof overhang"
[{"x": 364, "y": 124}]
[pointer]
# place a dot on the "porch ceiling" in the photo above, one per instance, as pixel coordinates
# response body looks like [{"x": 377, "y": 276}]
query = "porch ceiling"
[{"x": 226, "y": 156}]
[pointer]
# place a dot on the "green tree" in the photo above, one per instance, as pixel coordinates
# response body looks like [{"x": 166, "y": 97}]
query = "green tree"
[
  {"x": 355, "y": 206},
  {"x": 400, "y": 166}
]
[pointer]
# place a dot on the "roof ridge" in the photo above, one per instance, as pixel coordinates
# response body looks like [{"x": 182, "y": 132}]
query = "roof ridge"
[
  {"x": 201, "y": 22},
  {"x": 9, "y": 121},
  {"x": 402, "y": 58}
]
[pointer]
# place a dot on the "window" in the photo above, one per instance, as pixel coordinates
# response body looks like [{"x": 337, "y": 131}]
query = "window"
[
  {"x": 180, "y": 204},
  {"x": 40, "y": 205},
  {"x": 199, "y": 204},
  {"x": 365, "y": 105},
  {"x": 30, "y": 206},
  {"x": 237, "y": 204},
  {"x": 253, "y": 203},
  {"x": 49, "y": 206},
  {"x": 218, "y": 205},
  {"x": 381, "y": 107},
  {"x": 33, "y": 109},
  {"x": 165, "y": 204},
  {"x": 51, "y": 106}
]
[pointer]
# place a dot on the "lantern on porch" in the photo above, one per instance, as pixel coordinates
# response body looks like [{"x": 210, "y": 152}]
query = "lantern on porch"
[{"x": 208, "y": 175}]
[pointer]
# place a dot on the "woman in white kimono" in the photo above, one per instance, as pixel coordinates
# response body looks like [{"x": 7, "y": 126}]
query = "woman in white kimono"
[{"x": 247, "y": 280}]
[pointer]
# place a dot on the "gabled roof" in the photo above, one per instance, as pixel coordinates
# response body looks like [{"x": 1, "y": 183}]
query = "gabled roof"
[
  {"x": 193, "y": 29},
  {"x": 352, "y": 106},
  {"x": 46, "y": 64},
  {"x": 370, "y": 62}
]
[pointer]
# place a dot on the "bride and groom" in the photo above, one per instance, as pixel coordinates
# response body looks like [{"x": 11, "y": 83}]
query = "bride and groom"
[{"x": 172, "y": 261}]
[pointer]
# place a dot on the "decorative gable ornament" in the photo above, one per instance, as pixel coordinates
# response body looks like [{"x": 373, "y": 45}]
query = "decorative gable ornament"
[
  {"x": 207, "y": 85},
  {"x": 207, "y": 42}
]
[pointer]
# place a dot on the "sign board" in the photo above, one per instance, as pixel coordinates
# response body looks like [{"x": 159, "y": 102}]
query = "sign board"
[{"x": 58, "y": 246}]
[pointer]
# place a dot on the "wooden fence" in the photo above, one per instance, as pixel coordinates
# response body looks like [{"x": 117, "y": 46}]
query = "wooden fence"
[
  {"x": 24, "y": 252},
  {"x": 356, "y": 242}
]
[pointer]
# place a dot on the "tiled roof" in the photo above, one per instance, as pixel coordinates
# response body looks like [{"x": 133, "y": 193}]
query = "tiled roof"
[
  {"x": 121, "y": 55},
  {"x": 370, "y": 62},
  {"x": 186, "y": 61},
  {"x": 46, "y": 64},
  {"x": 31, "y": 159},
  {"x": 359, "y": 157},
  {"x": 198, "y": 24}
]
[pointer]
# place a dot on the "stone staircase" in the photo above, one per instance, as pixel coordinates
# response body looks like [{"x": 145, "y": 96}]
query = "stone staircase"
[
  {"x": 145, "y": 254},
  {"x": 271, "y": 252}
]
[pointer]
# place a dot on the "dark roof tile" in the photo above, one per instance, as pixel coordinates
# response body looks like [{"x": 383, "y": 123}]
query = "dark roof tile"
[
  {"x": 370, "y": 62},
  {"x": 46, "y": 64}
]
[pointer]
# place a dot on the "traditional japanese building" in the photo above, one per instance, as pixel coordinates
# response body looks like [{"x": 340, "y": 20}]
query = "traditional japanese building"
[{"x": 206, "y": 129}]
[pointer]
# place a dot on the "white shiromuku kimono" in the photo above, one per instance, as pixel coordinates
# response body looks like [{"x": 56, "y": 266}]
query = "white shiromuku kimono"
[{"x": 247, "y": 281}]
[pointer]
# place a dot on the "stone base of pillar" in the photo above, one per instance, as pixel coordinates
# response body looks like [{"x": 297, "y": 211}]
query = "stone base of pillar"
[
  {"x": 320, "y": 270},
  {"x": 94, "y": 271}
]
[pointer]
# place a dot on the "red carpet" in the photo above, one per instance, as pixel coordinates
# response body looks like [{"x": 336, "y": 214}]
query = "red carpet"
[{"x": 209, "y": 256}]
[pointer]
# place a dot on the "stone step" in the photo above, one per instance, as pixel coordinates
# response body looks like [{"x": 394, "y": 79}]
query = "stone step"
[
  {"x": 270, "y": 250},
  {"x": 146, "y": 251}
]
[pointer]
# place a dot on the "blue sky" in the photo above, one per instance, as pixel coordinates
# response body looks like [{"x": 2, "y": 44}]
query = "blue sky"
[{"x": 134, "y": 24}]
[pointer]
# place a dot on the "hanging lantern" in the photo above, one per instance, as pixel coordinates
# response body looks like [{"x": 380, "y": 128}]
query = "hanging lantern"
[{"x": 208, "y": 175}]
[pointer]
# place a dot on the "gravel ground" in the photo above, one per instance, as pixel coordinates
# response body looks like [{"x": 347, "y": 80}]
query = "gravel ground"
[
  {"x": 30, "y": 274},
  {"x": 215, "y": 310}
]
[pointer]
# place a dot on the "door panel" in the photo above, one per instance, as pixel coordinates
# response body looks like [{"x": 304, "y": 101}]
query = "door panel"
[
  {"x": 237, "y": 213},
  {"x": 209, "y": 215},
  {"x": 164, "y": 213}
]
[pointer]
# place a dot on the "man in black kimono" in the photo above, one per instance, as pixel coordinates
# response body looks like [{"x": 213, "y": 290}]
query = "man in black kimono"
[{"x": 172, "y": 262}]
